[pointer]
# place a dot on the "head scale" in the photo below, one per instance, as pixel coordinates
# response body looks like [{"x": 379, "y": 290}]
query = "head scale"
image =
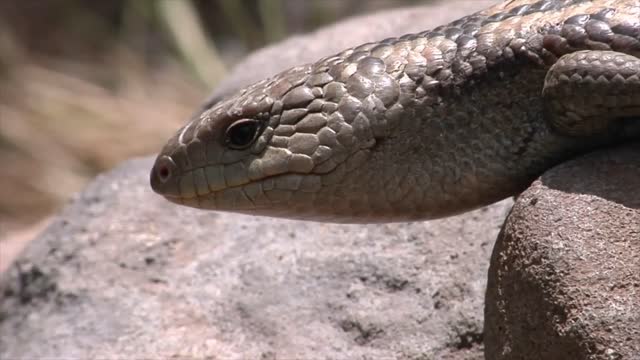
[{"x": 272, "y": 149}]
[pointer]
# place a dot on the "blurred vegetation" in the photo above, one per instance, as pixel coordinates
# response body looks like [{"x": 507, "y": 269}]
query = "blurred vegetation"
[{"x": 87, "y": 84}]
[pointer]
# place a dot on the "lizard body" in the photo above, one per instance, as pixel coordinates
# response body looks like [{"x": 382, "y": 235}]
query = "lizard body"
[{"x": 422, "y": 126}]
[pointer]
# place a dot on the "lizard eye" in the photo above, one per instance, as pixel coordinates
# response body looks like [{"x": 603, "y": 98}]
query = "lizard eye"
[{"x": 242, "y": 133}]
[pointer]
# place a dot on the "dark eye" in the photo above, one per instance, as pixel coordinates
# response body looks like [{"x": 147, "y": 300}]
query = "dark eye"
[{"x": 242, "y": 133}]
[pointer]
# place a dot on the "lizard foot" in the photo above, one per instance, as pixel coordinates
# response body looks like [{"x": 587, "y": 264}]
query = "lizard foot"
[{"x": 591, "y": 92}]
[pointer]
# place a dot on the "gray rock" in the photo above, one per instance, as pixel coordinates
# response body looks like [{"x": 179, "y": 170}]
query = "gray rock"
[
  {"x": 564, "y": 281},
  {"x": 123, "y": 273}
]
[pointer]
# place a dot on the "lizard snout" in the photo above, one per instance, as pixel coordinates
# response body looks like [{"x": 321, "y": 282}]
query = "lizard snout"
[{"x": 163, "y": 178}]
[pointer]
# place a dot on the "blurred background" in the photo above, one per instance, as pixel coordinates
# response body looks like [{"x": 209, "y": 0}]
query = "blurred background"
[{"x": 85, "y": 85}]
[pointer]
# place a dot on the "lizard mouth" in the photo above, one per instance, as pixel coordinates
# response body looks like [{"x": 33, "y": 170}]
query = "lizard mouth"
[{"x": 182, "y": 188}]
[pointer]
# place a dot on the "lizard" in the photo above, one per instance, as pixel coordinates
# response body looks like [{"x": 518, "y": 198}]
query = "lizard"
[{"x": 421, "y": 126}]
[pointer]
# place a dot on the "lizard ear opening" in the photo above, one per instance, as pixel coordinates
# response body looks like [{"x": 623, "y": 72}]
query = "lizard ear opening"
[{"x": 242, "y": 133}]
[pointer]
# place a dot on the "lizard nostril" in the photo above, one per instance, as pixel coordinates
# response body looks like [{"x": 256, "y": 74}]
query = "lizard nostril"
[
  {"x": 163, "y": 176},
  {"x": 164, "y": 173}
]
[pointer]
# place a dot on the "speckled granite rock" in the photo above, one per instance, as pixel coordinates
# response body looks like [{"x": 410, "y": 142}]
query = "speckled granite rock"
[{"x": 565, "y": 273}]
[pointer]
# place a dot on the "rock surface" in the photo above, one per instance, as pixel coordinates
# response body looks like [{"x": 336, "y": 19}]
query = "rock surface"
[
  {"x": 564, "y": 281},
  {"x": 123, "y": 273}
]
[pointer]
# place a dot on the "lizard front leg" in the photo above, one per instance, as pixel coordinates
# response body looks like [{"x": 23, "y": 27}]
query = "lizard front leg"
[{"x": 592, "y": 92}]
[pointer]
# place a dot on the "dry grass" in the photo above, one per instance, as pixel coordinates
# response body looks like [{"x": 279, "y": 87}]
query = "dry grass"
[{"x": 61, "y": 123}]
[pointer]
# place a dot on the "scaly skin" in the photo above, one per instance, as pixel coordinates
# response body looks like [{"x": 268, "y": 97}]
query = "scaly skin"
[{"x": 423, "y": 126}]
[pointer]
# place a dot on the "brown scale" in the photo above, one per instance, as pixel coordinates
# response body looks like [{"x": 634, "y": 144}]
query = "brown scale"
[{"x": 421, "y": 126}]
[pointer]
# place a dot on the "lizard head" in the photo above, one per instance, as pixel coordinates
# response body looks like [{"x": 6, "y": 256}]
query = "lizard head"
[{"x": 291, "y": 146}]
